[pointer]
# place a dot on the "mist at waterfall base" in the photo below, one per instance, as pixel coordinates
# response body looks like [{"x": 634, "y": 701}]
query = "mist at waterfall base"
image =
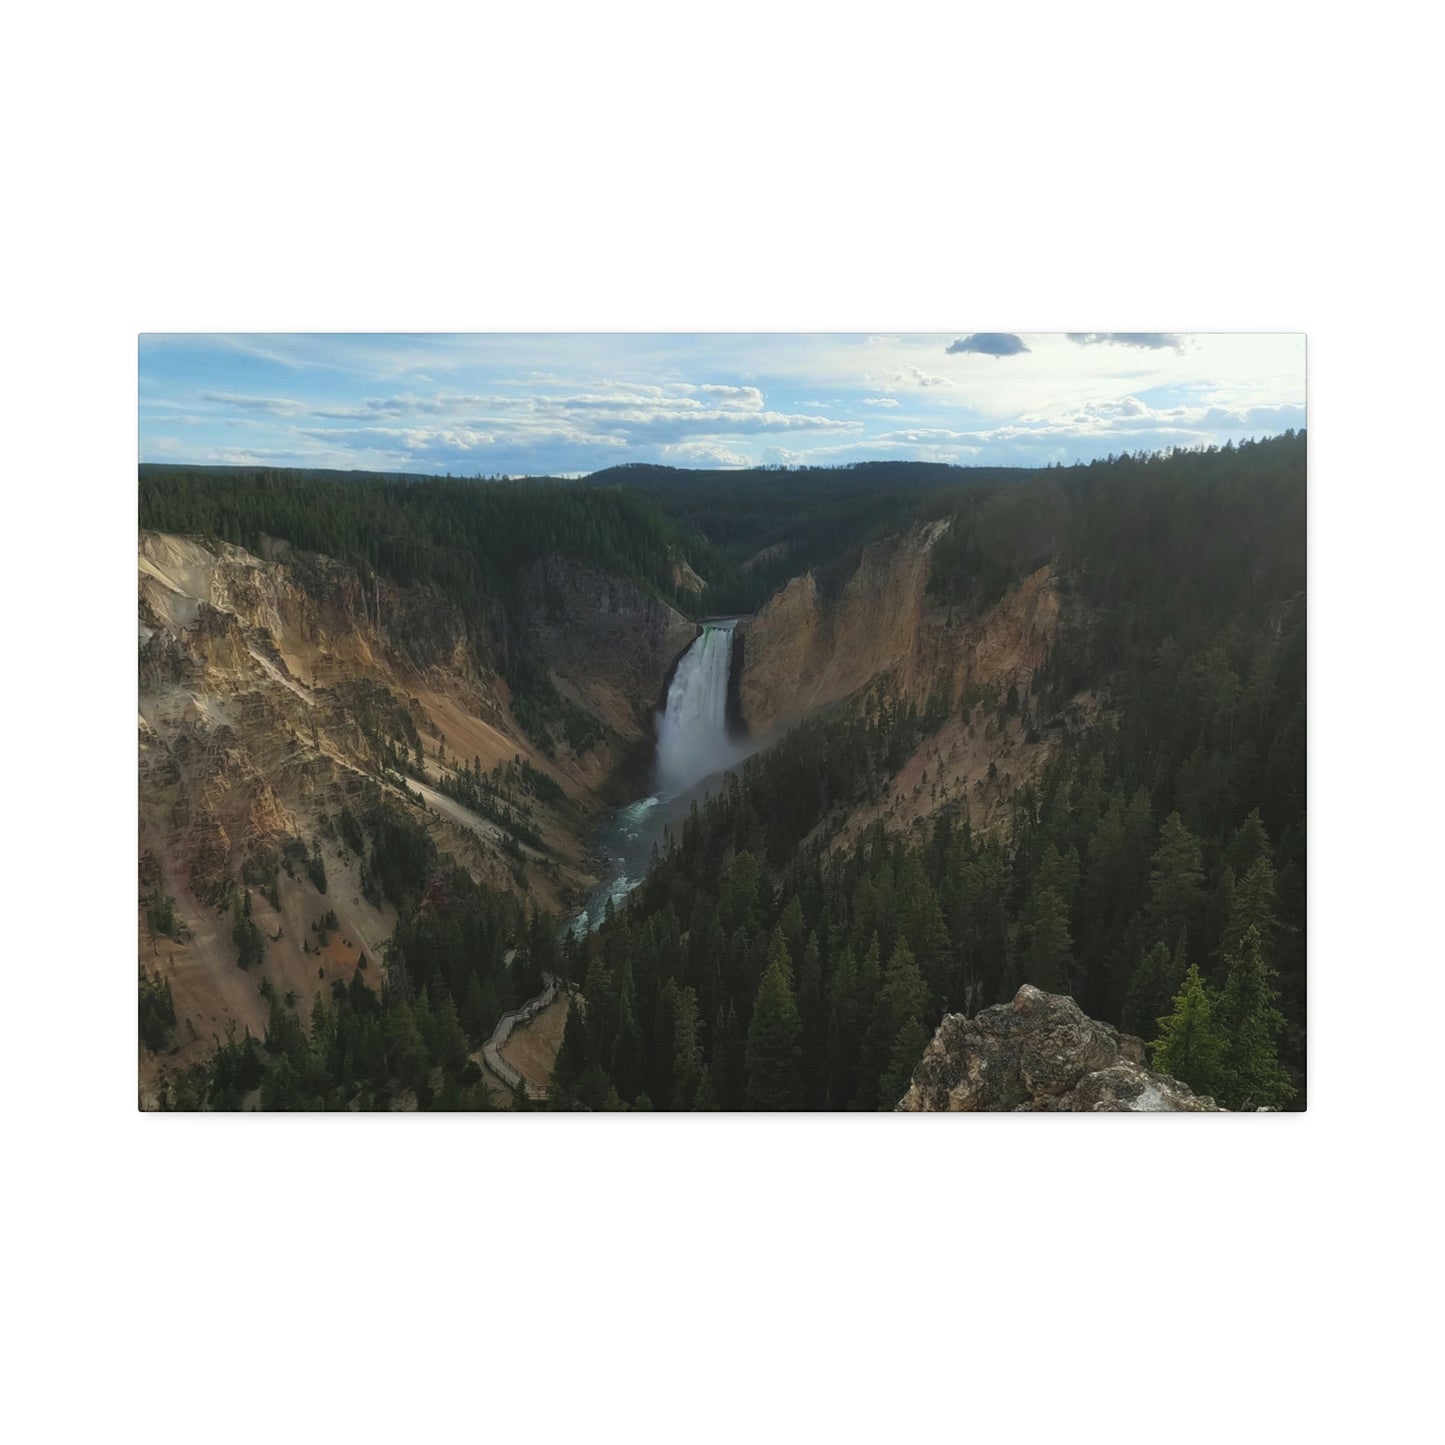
[{"x": 694, "y": 750}]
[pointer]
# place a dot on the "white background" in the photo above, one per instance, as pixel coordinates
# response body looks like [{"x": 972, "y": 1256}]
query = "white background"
[{"x": 1112, "y": 166}]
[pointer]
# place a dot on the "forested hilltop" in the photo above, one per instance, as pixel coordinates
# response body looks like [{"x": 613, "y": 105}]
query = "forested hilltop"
[
  {"x": 749, "y": 531},
  {"x": 1154, "y": 869}
]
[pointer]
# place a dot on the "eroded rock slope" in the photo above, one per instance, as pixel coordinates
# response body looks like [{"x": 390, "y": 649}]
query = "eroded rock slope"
[{"x": 277, "y": 692}]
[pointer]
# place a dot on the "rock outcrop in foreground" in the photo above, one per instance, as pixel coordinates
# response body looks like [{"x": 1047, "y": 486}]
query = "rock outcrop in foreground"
[{"x": 1041, "y": 1053}]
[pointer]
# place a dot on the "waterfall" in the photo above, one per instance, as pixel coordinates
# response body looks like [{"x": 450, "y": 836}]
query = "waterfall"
[
  {"x": 692, "y": 732},
  {"x": 692, "y": 745}
]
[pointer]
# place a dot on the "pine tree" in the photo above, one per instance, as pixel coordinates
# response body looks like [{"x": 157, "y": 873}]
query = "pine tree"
[
  {"x": 280, "y": 1089},
  {"x": 706, "y": 1099},
  {"x": 810, "y": 1011},
  {"x": 1249, "y": 844},
  {"x": 923, "y": 924},
  {"x": 449, "y": 1042},
  {"x": 1156, "y": 980},
  {"x": 626, "y": 1065},
  {"x": 474, "y": 1008},
  {"x": 1190, "y": 1045},
  {"x": 791, "y": 923},
  {"x": 1175, "y": 876},
  {"x": 321, "y": 1045},
  {"x": 774, "y": 1065},
  {"x": 571, "y": 1061},
  {"x": 852, "y": 992},
  {"x": 405, "y": 1052},
  {"x": 687, "y": 1065},
  {"x": 902, "y": 998},
  {"x": 726, "y": 1064},
  {"x": 1251, "y": 905},
  {"x": 1049, "y": 951},
  {"x": 1251, "y": 1075}
]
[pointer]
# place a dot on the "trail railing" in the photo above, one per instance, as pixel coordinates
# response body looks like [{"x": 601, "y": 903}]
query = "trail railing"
[{"x": 523, "y": 1014}]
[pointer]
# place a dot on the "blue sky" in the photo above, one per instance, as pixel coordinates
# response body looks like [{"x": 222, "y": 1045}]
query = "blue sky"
[{"x": 538, "y": 404}]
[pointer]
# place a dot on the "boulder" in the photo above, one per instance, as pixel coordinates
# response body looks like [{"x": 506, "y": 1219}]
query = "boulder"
[{"x": 1041, "y": 1053}]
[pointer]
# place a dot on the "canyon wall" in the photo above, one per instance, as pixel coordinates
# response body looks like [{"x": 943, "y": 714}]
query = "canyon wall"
[
  {"x": 269, "y": 690},
  {"x": 804, "y": 652}
]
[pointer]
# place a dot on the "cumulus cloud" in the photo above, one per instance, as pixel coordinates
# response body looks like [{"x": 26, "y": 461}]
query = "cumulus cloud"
[
  {"x": 703, "y": 454},
  {"x": 747, "y": 397},
  {"x": 907, "y": 375},
  {"x": 880, "y": 401},
  {"x": 1149, "y": 340},
  {"x": 987, "y": 343}
]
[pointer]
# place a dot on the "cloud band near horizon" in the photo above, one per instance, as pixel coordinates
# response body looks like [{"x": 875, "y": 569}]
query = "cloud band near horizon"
[{"x": 549, "y": 404}]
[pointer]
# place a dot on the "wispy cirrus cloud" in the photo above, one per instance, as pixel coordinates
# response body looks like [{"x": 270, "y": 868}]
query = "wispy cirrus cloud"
[
  {"x": 270, "y": 405},
  {"x": 1145, "y": 340}
]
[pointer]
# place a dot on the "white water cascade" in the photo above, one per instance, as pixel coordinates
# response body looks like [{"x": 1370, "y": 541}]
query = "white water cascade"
[
  {"x": 692, "y": 746},
  {"x": 692, "y": 731}
]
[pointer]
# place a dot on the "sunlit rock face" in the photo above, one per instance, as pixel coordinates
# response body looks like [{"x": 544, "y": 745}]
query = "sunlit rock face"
[{"x": 1041, "y": 1053}]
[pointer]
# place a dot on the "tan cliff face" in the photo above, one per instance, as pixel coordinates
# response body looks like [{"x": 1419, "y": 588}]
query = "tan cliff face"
[
  {"x": 803, "y": 652},
  {"x": 264, "y": 687}
]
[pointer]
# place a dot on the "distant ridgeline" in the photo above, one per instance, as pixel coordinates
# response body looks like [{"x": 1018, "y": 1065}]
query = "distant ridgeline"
[
  {"x": 470, "y": 538},
  {"x": 744, "y": 532},
  {"x": 1155, "y": 872},
  {"x": 749, "y": 531}
]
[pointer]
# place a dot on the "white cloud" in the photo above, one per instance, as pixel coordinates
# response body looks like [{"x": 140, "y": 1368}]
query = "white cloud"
[
  {"x": 551, "y": 403},
  {"x": 702, "y": 454},
  {"x": 907, "y": 375}
]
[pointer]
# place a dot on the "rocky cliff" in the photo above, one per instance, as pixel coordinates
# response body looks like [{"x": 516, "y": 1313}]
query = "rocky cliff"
[
  {"x": 273, "y": 688},
  {"x": 1041, "y": 1053},
  {"x": 609, "y": 644},
  {"x": 804, "y": 651}
]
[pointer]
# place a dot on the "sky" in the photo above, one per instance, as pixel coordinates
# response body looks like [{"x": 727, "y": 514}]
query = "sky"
[{"x": 554, "y": 404}]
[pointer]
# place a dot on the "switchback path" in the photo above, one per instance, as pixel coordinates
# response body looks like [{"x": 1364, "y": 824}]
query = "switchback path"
[{"x": 492, "y": 1049}]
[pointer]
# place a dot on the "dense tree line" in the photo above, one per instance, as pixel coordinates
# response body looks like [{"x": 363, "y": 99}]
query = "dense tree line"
[
  {"x": 838, "y": 966},
  {"x": 799, "y": 518}
]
